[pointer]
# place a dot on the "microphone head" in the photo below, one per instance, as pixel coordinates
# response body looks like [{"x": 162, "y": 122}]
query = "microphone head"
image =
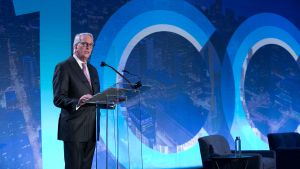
[
  {"x": 137, "y": 85},
  {"x": 103, "y": 64}
]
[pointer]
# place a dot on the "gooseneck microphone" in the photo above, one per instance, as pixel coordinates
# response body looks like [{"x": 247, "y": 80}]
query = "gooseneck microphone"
[
  {"x": 126, "y": 71},
  {"x": 103, "y": 64},
  {"x": 137, "y": 84},
  {"x": 133, "y": 86}
]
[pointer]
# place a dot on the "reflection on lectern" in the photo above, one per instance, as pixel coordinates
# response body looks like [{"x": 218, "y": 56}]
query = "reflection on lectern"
[{"x": 108, "y": 100}]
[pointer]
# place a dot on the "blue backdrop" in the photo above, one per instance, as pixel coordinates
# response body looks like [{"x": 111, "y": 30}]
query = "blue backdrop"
[{"x": 213, "y": 66}]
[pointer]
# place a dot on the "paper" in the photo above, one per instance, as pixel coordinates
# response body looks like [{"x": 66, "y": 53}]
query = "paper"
[{"x": 110, "y": 96}]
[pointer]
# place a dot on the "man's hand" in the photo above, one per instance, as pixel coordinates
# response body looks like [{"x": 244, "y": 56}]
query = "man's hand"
[{"x": 83, "y": 99}]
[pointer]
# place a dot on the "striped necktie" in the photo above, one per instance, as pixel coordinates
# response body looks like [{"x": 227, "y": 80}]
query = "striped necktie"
[{"x": 85, "y": 72}]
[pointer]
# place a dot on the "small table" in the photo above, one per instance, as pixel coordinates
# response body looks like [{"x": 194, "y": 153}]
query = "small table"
[{"x": 231, "y": 161}]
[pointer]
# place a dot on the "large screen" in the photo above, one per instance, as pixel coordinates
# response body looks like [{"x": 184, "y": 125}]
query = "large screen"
[{"x": 206, "y": 67}]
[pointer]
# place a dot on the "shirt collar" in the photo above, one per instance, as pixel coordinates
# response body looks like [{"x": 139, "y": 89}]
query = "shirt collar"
[{"x": 78, "y": 61}]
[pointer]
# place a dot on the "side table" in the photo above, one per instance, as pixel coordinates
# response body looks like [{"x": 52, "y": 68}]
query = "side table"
[{"x": 231, "y": 161}]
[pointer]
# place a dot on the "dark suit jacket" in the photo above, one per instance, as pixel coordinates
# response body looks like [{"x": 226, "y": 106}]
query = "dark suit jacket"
[{"x": 69, "y": 84}]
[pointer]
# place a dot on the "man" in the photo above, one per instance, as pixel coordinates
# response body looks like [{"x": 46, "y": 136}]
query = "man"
[{"x": 74, "y": 82}]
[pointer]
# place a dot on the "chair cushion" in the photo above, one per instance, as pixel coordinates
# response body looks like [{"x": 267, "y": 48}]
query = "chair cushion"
[{"x": 217, "y": 145}]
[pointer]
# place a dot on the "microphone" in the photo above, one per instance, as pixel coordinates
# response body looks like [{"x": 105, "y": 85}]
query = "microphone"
[
  {"x": 103, "y": 64},
  {"x": 126, "y": 71},
  {"x": 138, "y": 84},
  {"x": 133, "y": 86}
]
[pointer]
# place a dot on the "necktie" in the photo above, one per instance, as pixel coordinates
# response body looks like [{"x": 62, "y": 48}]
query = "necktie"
[{"x": 85, "y": 72}]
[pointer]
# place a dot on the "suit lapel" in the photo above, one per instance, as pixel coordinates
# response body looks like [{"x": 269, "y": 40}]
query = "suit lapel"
[{"x": 76, "y": 68}]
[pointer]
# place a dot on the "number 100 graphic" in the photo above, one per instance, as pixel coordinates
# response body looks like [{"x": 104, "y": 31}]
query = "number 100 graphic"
[{"x": 127, "y": 27}]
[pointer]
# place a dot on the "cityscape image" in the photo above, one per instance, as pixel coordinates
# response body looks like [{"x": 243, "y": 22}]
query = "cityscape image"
[{"x": 206, "y": 67}]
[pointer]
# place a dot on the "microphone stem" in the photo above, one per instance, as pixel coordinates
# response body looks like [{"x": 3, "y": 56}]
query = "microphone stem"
[{"x": 121, "y": 75}]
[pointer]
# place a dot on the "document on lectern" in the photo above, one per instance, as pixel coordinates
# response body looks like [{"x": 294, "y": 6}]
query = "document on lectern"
[{"x": 110, "y": 96}]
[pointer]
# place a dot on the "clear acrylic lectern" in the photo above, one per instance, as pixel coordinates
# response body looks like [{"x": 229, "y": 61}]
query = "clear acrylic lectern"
[{"x": 109, "y": 100}]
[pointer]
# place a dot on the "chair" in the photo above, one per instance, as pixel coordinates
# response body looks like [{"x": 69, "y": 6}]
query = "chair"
[
  {"x": 287, "y": 147},
  {"x": 217, "y": 145}
]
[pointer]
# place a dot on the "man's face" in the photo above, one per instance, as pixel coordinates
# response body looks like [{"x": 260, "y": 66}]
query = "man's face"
[{"x": 84, "y": 48}]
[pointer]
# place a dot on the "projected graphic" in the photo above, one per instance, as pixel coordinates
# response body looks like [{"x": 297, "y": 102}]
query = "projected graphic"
[
  {"x": 20, "y": 118},
  {"x": 249, "y": 38},
  {"x": 205, "y": 63},
  {"x": 274, "y": 107},
  {"x": 180, "y": 95}
]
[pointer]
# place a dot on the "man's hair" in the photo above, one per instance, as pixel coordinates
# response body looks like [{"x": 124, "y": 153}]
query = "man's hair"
[{"x": 77, "y": 38}]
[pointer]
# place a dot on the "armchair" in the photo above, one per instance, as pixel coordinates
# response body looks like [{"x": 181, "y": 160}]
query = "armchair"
[
  {"x": 287, "y": 147},
  {"x": 216, "y": 145}
]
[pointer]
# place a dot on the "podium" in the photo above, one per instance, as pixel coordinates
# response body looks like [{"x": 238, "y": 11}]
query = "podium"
[
  {"x": 109, "y": 97},
  {"x": 109, "y": 100}
]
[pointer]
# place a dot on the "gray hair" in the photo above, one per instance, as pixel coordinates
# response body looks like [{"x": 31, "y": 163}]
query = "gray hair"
[{"x": 77, "y": 38}]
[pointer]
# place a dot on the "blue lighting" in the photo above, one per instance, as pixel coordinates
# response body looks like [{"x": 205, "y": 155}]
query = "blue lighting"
[
  {"x": 130, "y": 20},
  {"x": 272, "y": 28}
]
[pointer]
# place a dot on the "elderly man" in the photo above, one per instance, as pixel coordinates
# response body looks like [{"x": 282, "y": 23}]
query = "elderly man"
[{"x": 74, "y": 82}]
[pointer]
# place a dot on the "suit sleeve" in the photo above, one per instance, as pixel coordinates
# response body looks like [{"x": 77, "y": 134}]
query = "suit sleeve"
[{"x": 61, "y": 89}]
